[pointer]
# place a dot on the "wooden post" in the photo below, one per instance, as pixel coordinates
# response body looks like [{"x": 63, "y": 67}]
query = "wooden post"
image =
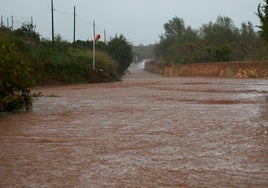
[
  {"x": 52, "y": 20},
  {"x": 12, "y": 22},
  {"x": 74, "y": 27},
  {"x": 2, "y": 24},
  {"x": 93, "y": 66}
]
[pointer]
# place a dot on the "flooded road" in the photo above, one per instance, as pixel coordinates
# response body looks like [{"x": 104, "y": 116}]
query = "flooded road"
[{"x": 147, "y": 131}]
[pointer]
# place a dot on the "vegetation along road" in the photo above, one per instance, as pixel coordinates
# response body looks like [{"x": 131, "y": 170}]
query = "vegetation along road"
[{"x": 146, "y": 131}]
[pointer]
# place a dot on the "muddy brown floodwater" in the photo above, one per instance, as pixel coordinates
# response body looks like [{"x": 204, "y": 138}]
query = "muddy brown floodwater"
[{"x": 146, "y": 131}]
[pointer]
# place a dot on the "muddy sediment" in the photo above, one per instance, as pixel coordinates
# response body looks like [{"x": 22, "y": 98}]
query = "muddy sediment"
[{"x": 147, "y": 131}]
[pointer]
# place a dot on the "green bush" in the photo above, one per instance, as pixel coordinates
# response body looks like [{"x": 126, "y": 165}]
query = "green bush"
[
  {"x": 220, "y": 53},
  {"x": 121, "y": 51},
  {"x": 73, "y": 66},
  {"x": 16, "y": 79}
]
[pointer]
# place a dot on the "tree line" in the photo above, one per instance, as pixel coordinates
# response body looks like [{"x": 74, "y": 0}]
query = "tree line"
[
  {"x": 215, "y": 41},
  {"x": 212, "y": 42}
]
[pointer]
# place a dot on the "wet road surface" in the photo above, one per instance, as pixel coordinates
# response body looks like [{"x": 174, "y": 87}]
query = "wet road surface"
[{"x": 147, "y": 131}]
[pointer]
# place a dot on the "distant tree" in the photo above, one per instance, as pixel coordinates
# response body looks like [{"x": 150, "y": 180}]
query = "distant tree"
[
  {"x": 220, "y": 53},
  {"x": 214, "y": 41},
  {"x": 247, "y": 30},
  {"x": 263, "y": 16},
  {"x": 89, "y": 45},
  {"x": 174, "y": 28},
  {"x": 60, "y": 44},
  {"x": 121, "y": 51},
  {"x": 220, "y": 32},
  {"x": 248, "y": 40},
  {"x": 27, "y": 33}
]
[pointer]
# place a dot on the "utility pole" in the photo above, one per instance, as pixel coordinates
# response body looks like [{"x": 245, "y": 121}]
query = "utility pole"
[
  {"x": 52, "y": 17},
  {"x": 7, "y": 23},
  {"x": 74, "y": 26},
  {"x": 104, "y": 36},
  {"x": 31, "y": 28},
  {"x": 31, "y": 25},
  {"x": 93, "y": 45},
  {"x": 12, "y": 22},
  {"x": 2, "y": 24}
]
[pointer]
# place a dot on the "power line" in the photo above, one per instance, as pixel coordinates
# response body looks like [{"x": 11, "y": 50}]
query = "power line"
[
  {"x": 52, "y": 21},
  {"x": 63, "y": 12},
  {"x": 16, "y": 16},
  {"x": 99, "y": 30},
  {"x": 83, "y": 20},
  {"x": 15, "y": 20},
  {"x": 45, "y": 3},
  {"x": 74, "y": 25},
  {"x": 53, "y": 10}
]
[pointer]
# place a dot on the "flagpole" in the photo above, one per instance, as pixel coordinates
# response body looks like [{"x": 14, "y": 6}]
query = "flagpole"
[{"x": 93, "y": 45}]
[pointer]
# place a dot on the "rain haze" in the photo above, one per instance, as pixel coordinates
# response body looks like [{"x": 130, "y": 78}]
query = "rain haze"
[{"x": 140, "y": 21}]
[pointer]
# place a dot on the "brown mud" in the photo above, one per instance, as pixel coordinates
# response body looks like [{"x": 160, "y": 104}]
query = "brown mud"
[{"x": 147, "y": 131}]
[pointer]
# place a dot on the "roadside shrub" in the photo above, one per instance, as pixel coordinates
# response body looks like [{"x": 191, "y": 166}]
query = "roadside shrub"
[
  {"x": 120, "y": 49},
  {"x": 16, "y": 79},
  {"x": 106, "y": 66},
  {"x": 73, "y": 66}
]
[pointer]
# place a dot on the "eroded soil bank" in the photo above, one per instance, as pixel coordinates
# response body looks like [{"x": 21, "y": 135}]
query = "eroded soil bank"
[
  {"x": 236, "y": 69},
  {"x": 147, "y": 131}
]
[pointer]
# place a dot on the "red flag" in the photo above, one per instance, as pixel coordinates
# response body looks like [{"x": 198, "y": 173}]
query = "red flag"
[{"x": 97, "y": 37}]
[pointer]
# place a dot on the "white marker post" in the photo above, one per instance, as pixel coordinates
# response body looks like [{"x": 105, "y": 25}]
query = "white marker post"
[
  {"x": 95, "y": 41},
  {"x": 93, "y": 45}
]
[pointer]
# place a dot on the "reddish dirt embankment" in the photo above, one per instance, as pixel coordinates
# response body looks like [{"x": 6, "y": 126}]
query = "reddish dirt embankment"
[{"x": 240, "y": 69}]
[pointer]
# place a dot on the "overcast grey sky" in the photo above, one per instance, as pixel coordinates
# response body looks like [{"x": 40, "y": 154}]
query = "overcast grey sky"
[{"x": 140, "y": 21}]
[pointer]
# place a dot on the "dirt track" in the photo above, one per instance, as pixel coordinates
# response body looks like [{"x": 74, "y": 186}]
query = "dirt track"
[{"x": 147, "y": 131}]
